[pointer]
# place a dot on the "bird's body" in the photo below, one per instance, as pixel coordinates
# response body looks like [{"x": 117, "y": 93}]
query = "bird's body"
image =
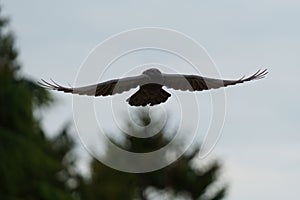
[{"x": 150, "y": 84}]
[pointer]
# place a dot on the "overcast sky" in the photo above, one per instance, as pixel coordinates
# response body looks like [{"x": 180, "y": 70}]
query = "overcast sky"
[{"x": 260, "y": 139}]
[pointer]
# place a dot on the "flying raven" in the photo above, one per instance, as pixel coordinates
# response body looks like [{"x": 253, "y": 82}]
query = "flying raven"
[{"x": 150, "y": 84}]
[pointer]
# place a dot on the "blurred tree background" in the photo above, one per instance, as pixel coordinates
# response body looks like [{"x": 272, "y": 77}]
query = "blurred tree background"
[
  {"x": 180, "y": 180},
  {"x": 35, "y": 167}
]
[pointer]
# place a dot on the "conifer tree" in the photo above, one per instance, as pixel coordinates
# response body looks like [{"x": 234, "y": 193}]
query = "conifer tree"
[{"x": 178, "y": 180}]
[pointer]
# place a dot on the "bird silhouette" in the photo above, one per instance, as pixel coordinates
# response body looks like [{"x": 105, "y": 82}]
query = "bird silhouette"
[{"x": 150, "y": 84}]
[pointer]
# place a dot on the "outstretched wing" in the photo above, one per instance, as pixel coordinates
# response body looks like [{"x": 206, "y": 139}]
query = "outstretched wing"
[
  {"x": 101, "y": 89},
  {"x": 198, "y": 83}
]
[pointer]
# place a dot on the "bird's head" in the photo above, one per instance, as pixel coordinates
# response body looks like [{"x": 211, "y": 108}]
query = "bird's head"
[{"x": 153, "y": 72}]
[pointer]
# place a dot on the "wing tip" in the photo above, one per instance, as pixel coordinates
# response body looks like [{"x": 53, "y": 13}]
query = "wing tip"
[
  {"x": 259, "y": 74},
  {"x": 54, "y": 86}
]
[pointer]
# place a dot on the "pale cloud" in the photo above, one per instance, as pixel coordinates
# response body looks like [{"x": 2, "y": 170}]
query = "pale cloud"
[{"x": 263, "y": 172}]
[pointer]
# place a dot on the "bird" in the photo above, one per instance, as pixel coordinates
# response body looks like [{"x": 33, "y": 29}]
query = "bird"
[{"x": 151, "y": 83}]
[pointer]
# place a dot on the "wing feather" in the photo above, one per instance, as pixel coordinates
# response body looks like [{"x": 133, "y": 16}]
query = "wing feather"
[
  {"x": 111, "y": 87},
  {"x": 199, "y": 83}
]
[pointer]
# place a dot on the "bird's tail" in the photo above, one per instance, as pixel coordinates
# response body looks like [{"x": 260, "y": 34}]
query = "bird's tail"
[{"x": 145, "y": 96}]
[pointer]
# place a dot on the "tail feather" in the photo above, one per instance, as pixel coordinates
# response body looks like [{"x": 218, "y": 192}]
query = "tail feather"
[{"x": 145, "y": 96}]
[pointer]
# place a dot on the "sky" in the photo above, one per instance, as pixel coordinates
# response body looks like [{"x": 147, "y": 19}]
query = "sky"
[{"x": 260, "y": 139}]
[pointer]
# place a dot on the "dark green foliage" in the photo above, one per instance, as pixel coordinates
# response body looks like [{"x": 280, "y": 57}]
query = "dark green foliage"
[
  {"x": 29, "y": 168},
  {"x": 107, "y": 183}
]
